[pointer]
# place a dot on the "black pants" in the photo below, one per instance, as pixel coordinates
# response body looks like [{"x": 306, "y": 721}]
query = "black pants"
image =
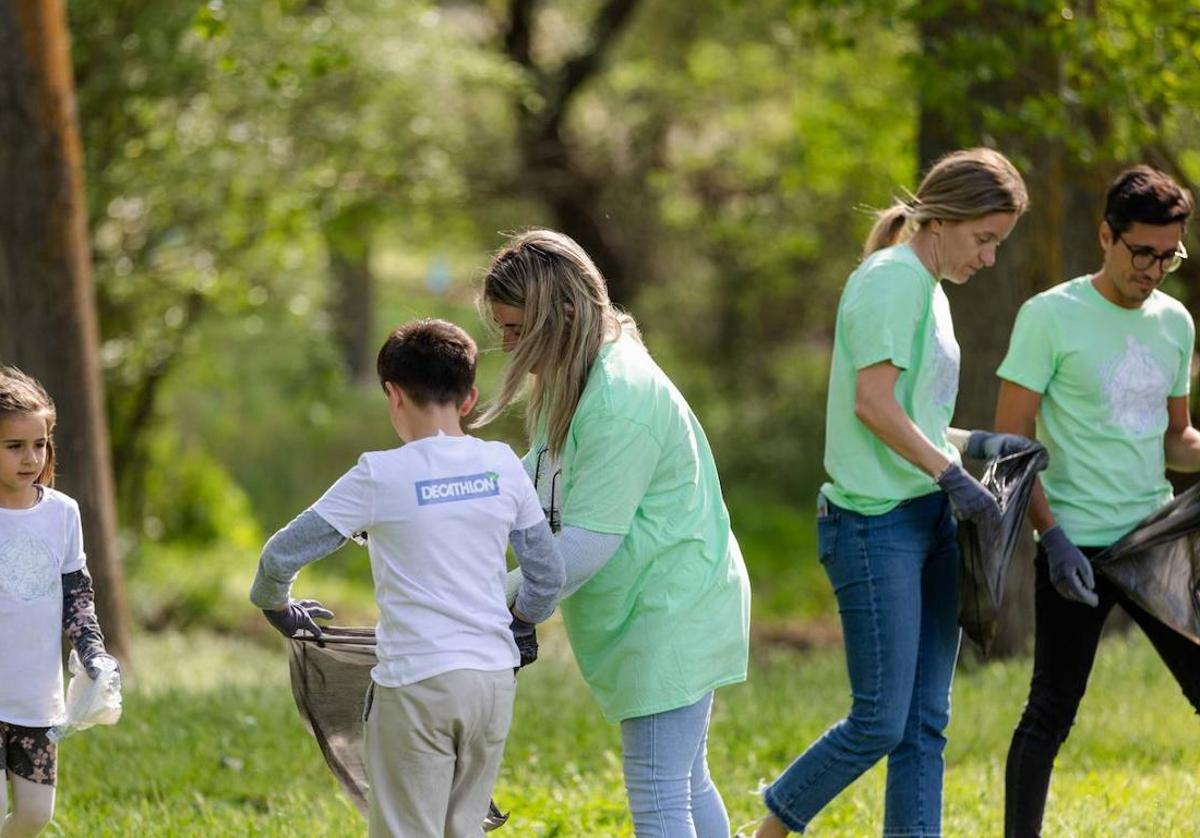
[{"x": 1065, "y": 640}]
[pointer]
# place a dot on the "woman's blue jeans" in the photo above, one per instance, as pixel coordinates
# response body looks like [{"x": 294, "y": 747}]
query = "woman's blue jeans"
[
  {"x": 671, "y": 794},
  {"x": 896, "y": 580}
]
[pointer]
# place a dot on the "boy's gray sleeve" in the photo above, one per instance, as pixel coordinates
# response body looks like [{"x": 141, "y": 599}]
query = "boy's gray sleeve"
[
  {"x": 542, "y": 571},
  {"x": 307, "y": 538}
]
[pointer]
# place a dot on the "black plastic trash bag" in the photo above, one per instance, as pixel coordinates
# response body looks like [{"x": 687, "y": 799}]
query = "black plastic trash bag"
[
  {"x": 1157, "y": 565},
  {"x": 987, "y": 550},
  {"x": 329, "y": 684}
]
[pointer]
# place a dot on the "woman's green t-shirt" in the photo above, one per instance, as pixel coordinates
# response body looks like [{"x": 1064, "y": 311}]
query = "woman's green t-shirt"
[
  {"x": 892, "y": 309},
  {"x": 666, "y": 620}
]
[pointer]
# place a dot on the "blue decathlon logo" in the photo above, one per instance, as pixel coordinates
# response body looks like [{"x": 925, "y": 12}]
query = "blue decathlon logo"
[{"x": 466, "y": 487}]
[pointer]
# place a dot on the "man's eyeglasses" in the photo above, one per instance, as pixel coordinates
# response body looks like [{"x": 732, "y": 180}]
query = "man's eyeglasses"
[{"x": 1143, "y": 257}]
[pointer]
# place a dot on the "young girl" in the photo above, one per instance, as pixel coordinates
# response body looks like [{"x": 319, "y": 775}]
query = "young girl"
[{"x": 44, "y": 590}]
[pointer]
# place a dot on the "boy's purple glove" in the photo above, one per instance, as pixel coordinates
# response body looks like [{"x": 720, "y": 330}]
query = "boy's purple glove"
[
  {"x": 298, "y": 616},
  {"x": 525, "y": 636},
  {"x": 1070, "y": 571},
  {"x": 986, "y": 445}
]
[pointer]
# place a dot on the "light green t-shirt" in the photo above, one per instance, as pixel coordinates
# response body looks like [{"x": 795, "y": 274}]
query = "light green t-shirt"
[
  {"x": 1105, "y": 374},
  {"x": 667, "y": 619},
  {"x": 892, "y": 309}
]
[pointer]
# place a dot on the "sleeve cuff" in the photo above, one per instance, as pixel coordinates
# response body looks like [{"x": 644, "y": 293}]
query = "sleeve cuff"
[{"x": 1028, "y": 382}]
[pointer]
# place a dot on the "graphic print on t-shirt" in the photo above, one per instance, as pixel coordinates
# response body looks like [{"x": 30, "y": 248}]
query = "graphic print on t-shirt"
[
  {"x": 28, "y": 567},
  {"x": 462, "y": 487},
  {"x": 1136, "y": 389},
  {"x": 944, "y": 365}
]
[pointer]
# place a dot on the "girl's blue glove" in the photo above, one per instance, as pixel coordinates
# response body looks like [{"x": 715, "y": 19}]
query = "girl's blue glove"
[
  {"x": 100, "y": 662},
  {"x": 296, "y": 619}
]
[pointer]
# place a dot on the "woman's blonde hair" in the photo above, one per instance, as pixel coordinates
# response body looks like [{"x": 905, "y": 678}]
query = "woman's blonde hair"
[
  {"x": 961, "y": 186},
  {"x": 22, "y": 395},
  {"x": 567, "y": 318}
]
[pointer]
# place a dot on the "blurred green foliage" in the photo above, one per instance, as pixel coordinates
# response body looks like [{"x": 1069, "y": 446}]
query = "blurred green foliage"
[{"x": 244, "y": 159}]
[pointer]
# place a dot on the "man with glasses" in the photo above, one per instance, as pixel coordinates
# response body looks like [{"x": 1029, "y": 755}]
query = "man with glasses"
[{"x": 1101, "y": 365}]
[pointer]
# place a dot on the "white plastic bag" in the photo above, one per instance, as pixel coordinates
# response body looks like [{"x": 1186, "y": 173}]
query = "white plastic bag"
[{"x": 90, "y": 702}]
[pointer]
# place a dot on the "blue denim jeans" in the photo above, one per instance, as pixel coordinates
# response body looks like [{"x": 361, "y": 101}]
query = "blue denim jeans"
[
  {"x": 666, "y": 774},
  {"x": 896, "y": 580}
]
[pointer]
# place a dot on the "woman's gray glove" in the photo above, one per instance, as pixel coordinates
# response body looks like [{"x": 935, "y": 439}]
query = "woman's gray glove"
[
  {"x": 298, "y": 616},
  {"x": 1070, "y": 570},
  {"x": 969, "y": 499},
  {"x": 986, "y": 445}
]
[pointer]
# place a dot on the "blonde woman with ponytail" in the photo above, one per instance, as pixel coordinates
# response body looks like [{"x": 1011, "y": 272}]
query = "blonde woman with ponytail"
[
  {"x": 656, "y": 602},
  {"x": 886, "y": 520}
]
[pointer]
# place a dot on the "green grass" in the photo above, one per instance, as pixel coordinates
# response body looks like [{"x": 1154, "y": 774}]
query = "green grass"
[
  {"x": 779, "y": 545},
  {"x": 211, "y": 745}
]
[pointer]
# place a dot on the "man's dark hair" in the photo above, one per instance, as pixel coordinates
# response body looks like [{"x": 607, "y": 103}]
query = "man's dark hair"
[
  {"x": 1147, "y": 196},
  {"x": 431, "y": 360}
]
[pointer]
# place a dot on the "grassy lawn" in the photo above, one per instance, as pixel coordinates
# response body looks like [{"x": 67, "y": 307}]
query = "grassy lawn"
[{"x": 211, "y": 745}]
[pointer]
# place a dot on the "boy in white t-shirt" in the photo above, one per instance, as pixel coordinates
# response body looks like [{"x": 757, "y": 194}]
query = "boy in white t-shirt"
[{"x": 438, "y": 513}]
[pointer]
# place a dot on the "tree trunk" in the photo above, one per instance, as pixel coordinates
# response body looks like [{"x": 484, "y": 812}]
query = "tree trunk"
[
  {"x": 352, "y": 290},
  {"x": 1029, "y": 261},
  {"x": 551, "y": 169},
  {"x": 47, "y": 302},
  {"x": 578, "y": 207}
]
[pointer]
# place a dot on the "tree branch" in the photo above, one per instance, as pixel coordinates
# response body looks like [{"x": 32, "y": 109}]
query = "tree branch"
[
  {"x": 518, "y": 35},
  {"x": 612, "y": 18},
  {"x": 129, "y": 432}
]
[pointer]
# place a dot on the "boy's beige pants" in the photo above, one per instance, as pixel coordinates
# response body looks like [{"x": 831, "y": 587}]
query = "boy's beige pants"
[{"x": 433, "y": 752}]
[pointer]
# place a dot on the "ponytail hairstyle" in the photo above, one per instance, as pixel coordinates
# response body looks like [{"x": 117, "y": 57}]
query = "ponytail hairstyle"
[
  {"x": 22, "y": 395},
  {"x": 961, "y": 186},
  {"x": 567, "y": 318}
]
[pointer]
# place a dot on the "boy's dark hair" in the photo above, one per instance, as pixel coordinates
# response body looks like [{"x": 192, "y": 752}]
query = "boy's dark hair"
[
  {"x": 432, "y": 361},
  {"x": 1147, "y": 196}
]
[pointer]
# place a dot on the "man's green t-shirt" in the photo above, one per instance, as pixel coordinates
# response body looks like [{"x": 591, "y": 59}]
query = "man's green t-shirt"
[
  {"x": 667, "y": 619},
  {"x": 892, "y": 309},
  {"x": 1105, "y": 374}
]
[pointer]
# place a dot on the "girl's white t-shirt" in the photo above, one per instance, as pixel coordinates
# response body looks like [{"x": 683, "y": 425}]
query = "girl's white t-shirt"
[
  {"x": 437, "y": 513},
  {"x": 37, "y": 546}
]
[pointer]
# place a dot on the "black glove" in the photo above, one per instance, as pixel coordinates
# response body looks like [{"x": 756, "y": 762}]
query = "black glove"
[
  {"x": 297, "y": 617},
  {"x": 986, "y": 445},
  {"x": 1070, "y": 570},
  {"x": 100, "y": 662},
  {"x": 969, "y": 499},
  {"x": 526, "y": 639}
]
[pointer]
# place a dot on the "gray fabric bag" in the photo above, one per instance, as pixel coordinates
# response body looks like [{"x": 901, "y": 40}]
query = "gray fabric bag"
[{"x": 330, "y": 678}]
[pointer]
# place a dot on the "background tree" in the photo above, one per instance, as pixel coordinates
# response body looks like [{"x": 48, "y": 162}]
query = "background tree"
[
  {"x": 272, "y": 185},
  {"x": 47, "y": 304},
  {"x": 1072, "y": 99},
  {"x": 551, "y": 168},
  {"x": 961, "y": 106}
]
